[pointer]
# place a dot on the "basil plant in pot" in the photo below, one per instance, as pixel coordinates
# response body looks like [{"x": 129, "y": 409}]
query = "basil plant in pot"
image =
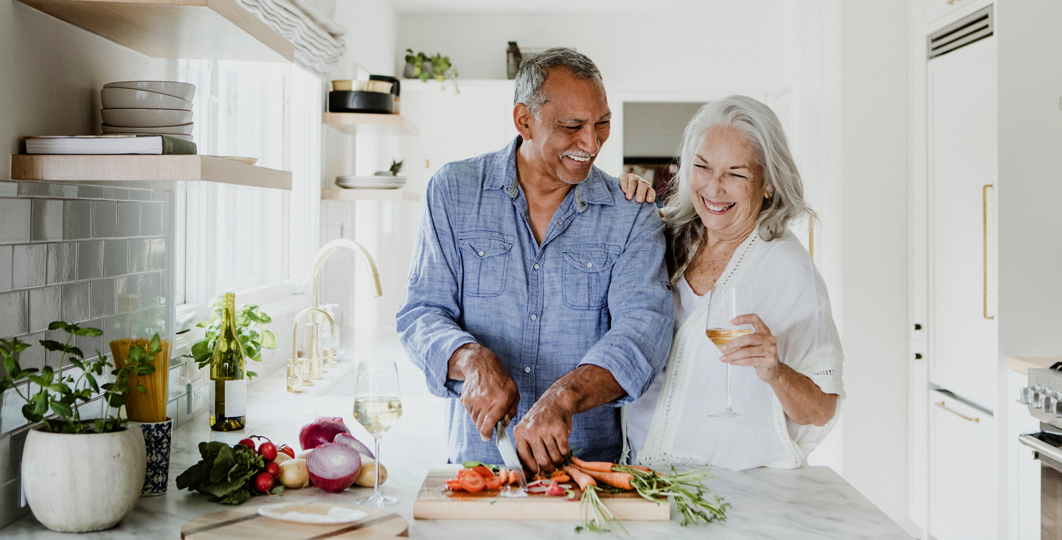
[{"x": 78, "y": 475}]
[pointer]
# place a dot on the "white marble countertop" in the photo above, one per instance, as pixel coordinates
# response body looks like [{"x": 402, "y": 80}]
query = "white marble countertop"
[{"x": 811, "y": 502}]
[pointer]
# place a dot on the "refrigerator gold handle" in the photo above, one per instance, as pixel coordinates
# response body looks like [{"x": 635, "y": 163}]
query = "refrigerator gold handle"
[
  {"x": 942, "y": 405},
  {"x": 811, "y": 236},
  {"x": 984, "y": 242}
]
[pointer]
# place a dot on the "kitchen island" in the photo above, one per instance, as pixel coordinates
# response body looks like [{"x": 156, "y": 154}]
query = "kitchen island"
[{"x": 811, "y": 502}]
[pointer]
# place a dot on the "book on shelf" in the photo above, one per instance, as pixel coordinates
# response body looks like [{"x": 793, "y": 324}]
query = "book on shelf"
[{"x": 108, "y": 145}]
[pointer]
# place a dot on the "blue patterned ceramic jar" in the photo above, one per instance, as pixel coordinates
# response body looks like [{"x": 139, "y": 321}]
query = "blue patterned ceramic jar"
[{"x": 157, "y": 438}]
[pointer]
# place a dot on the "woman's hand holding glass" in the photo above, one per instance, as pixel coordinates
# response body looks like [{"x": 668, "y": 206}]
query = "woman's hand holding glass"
[{"x": 758, "y": 350}]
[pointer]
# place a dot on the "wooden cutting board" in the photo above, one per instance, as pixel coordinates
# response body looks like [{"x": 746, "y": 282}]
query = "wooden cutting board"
[
  {"x": 246, "y": 523},
  {"x": 434, "y": 501}
]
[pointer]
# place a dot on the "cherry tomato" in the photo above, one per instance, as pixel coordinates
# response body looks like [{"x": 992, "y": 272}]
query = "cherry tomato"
[
  {"x": 473, "y": 483},
  {"x": 483, "y": 471},
  {"x": 494, "y": 483},
  {"x": 287, "y": 450},
  {"x": 454, "y": 484}
]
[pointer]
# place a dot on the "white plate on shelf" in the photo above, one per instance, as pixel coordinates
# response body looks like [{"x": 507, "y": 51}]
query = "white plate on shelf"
[
  {"x": 314, "y": 513},
  {"x": 370, "y": 182}
]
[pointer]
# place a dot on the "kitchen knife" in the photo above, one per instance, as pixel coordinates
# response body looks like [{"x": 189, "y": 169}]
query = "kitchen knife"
[{"x": 512, "y": 462}]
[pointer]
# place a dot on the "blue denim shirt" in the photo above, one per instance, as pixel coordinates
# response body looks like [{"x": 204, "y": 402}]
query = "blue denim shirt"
[{"x": 594, "y": 292}]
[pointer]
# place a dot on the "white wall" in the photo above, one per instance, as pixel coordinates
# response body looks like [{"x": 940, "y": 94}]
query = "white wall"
[
  {"x": 371, "y": 46},
  {"x": 874, "y": 270},
  {"x": 655, "y": 129}
]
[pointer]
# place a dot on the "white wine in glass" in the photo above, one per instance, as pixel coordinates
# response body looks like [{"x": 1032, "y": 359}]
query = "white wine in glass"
[
  {"x": 725, "y": 305},
  {"x": 377, "y": 407}
]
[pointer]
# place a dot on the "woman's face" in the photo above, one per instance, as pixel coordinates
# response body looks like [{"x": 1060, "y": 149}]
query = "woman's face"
[{"x": 726, "y": 183}]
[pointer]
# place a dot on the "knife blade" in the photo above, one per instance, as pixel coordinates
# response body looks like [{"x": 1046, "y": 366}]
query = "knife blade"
[{"x": 512, "y": 462}]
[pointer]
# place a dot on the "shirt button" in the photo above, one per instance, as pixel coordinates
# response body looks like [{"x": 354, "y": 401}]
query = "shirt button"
[
  {"x": 533, "y": 316},
  {"x": 536, "y": 266},
  {"x": 560, "y": 223},
  {"x": 527, "y": 369},
  {"x": 480, "y": 253},
  {"x": 589, "y": 265}
]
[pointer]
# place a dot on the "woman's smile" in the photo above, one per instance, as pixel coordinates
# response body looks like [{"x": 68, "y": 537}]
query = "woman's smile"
[{"x": 716, "y": 208}]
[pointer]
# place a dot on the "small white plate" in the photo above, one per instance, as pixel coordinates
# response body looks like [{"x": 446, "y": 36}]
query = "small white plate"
[{"x": 316, "y": 513}]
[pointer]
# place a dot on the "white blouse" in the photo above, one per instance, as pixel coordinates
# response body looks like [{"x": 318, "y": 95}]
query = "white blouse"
[{"x": 673, "y": 424}]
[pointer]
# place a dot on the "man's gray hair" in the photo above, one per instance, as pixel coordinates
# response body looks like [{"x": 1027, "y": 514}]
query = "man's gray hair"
[
  {"x": 781, "y": 179},
  {"x": 534, "y": 70}
]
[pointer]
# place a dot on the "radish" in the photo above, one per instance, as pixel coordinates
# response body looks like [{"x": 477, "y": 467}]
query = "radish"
[
  {"x": 263, "y": 482},
  {"x": 248, "y": 443},
  {"x": 268, "y": 451},
  {"x": 273, "y": 468}
]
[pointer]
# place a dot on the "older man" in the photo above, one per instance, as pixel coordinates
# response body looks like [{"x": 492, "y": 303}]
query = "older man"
[{"x": 537, "y": 291}]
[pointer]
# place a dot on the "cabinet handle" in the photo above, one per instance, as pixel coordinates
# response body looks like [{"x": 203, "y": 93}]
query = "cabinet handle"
[
  {"x": 957, "y": 413},
  {"x": 984, "y": 240}
]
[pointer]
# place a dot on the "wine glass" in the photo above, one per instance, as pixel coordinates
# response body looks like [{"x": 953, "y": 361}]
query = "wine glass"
[
  {"x": 377, "y": 406},
  {"x": 725, "y": 304}
]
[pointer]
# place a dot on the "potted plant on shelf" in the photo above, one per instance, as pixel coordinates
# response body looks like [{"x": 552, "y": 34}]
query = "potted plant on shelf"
[
  {"x": 424, "y": 67},
  {"x": 66, "y": 488}
]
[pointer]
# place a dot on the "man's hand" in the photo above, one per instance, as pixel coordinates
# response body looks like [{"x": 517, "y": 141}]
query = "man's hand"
[
  {"x": 541, "y": 437},
  {"x": 489, "y": 393},
  {"x": 542, "y": 434}
]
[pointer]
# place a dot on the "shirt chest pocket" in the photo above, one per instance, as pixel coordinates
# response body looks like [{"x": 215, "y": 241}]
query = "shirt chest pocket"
[
  {"x": 587, "y": 274},
  {"x": 486, "y": 260}
]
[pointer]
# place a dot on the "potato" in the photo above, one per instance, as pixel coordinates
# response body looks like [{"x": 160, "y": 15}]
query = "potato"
[
  {"x": 367, "y": 476},
  {"x": 293, "y": 474},
  {"x": 281, "y": 458}
]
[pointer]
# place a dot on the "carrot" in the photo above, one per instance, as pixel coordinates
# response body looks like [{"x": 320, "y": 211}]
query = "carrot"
[
  {"x": 640, "y": 468},
  {"x": 561, "y": 478},
  {"x": 602, "y": 466},
  {"x": 584, "y": 480},
  {"x": 615, "y": 479}
]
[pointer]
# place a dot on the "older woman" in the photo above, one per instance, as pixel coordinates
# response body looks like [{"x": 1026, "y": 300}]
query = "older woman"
[{"x": 737, "y": 188}]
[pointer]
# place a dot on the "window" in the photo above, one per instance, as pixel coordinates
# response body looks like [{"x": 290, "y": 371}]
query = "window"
[{"x": 242, "y": 239}]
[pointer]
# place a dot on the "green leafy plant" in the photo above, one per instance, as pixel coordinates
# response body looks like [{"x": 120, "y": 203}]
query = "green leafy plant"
[
  {"x": 251, "y": 324},
  {"x": 226, "y": 473},
  {"x": 441, "y": 69},
  {"x": 61, "y": 394}
]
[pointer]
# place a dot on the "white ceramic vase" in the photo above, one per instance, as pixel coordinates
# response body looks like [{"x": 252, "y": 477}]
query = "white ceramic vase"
[{"x": 85, "y": 482}]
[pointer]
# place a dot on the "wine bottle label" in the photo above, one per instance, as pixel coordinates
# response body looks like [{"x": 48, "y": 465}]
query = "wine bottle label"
[
  {"x": 235, "y": 398},
  {"x": 212, "y": 399}
]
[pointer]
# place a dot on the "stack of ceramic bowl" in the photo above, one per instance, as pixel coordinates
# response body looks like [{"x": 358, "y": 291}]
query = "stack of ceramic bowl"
[{"x": 148, "y": 107}]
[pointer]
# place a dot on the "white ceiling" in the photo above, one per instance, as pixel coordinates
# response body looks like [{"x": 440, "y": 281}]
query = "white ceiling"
[{"x": 545, "y": 6}]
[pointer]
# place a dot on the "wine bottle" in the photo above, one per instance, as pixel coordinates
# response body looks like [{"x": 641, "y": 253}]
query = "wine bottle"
[{"x": 228, "y": 391}]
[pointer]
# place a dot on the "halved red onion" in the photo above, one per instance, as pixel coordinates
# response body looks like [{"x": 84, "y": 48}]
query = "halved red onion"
[
  {"x": 333, "y": 467},
  {"x": 321, "y": 431},
  {"x": 349, "y": 440}
]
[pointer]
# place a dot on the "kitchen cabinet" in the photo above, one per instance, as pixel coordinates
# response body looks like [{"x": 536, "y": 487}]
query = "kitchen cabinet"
[
  {"x": 962, "y": 181},
  {"x": 963, "y": 470},
  {"x": 936, "y": 10},
  {"x": 1023, "y": 472},
  {"x": 450, "y": 126}
]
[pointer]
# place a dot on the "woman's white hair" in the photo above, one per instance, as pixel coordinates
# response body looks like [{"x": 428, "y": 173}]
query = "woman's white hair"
[{"x": 758, "y": 122}]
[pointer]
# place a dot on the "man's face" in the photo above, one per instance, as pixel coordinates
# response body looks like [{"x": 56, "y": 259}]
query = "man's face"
[{"x": 571, "y": 127}]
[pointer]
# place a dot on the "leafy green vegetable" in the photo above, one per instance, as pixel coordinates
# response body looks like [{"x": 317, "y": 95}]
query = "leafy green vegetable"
[
  {"x": 250, "y": 327},
  {"x": 474, "y": 464},
  {"x": 63, "y": 393},
  {"x": 685, "y": 488},
  {"x": 226, "y": 473}
]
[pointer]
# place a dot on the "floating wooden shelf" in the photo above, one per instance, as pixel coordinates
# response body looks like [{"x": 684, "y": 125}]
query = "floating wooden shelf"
[
  {"x": 126, "y": 168},
  {"x": 200, "y": 29},
  {"x": 340, "y": 194},
  {"x": 349, "y": 122}
]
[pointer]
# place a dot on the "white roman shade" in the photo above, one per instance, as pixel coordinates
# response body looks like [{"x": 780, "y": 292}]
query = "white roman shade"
[{"x": 309, "y": 25}]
